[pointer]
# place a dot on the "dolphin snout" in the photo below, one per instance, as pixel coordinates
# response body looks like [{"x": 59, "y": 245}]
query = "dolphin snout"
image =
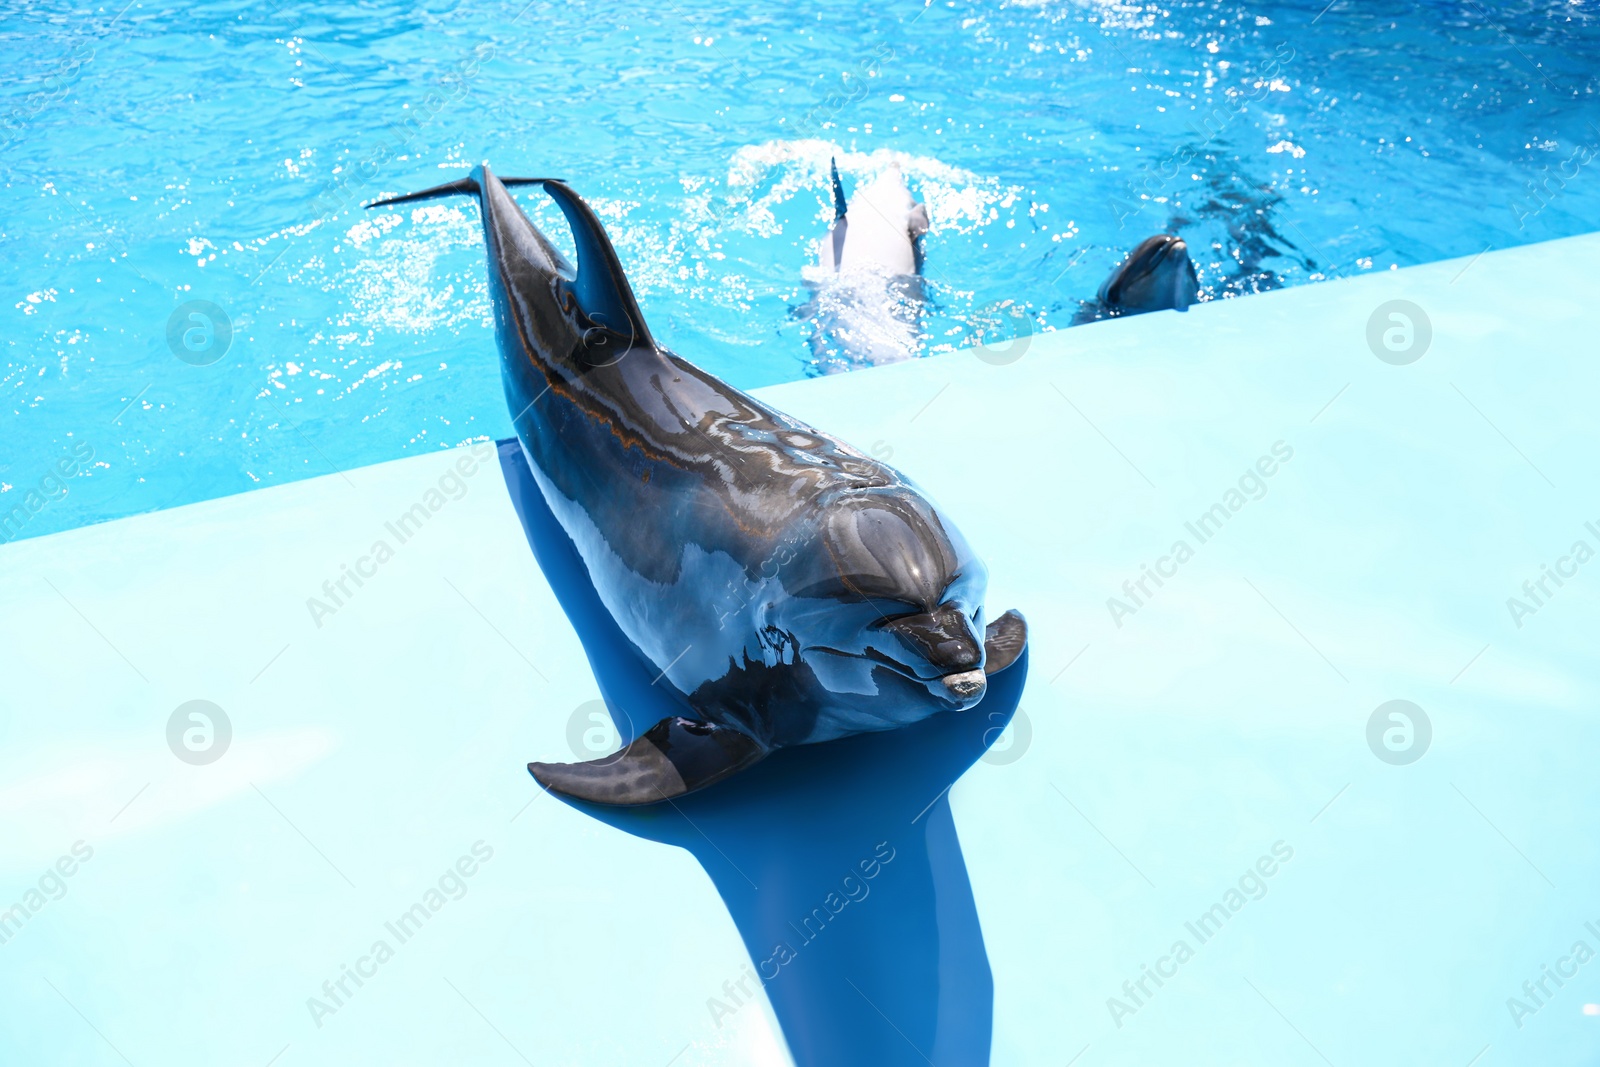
[
  {"x": 966, "y": 686},
  {"x": 944, "y": 638},
  {"x": 1156, "y": 276}
]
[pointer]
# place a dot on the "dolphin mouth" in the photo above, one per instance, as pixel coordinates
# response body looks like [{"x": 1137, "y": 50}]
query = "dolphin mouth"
[
  {"x": 877, "y": 659},
  {"x": 961, "y": 689},
  {"x": 965, "y": 685}
]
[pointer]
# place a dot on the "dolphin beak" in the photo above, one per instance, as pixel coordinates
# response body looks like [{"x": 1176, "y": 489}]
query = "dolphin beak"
[
  {"x": 1157, "y": 275},
  {"x": 944, "y": 637},
  {"x": 966, "y": 688}
]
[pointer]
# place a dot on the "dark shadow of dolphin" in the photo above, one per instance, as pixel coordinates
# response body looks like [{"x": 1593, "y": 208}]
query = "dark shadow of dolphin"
[{"x": 838, "y": 862}]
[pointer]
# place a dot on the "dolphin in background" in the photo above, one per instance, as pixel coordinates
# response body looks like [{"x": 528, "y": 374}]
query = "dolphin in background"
[
  {"x": 880, "y": 231},
  {"x": 867, "y": 294},
  {"x": 1158, "y": 275}
]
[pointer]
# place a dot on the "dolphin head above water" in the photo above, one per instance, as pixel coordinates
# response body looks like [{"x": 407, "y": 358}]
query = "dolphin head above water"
[
  {"x": 867, "y": 295},
  {"x": 878, "y": 230},
  {"x": 892, "y": 596},
  {"x": 1156, "y": 276}
]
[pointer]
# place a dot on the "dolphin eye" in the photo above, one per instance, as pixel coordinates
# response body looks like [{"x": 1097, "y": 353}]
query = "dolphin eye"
[
  {"x": 890, "y": 610},
  {"x": 882, "y": 608}
]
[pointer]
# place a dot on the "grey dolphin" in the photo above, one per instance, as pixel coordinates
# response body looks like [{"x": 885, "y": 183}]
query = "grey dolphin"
[
  {"x": 866, "y": 291},
  {"x": 878, "y": 231},
  {"x": 784, "y": 587},
  {"x": 1156, "y": 276}
]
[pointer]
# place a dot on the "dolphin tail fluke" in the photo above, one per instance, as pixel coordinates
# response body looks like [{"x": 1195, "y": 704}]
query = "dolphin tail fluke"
[
  {"x": 463, "y": 187},
  {"x": 839, "y": 204},
  {"x": 460, "y": 187},
  {"x": 673, "y": 757},
  {"x": 599, "y": 282}
]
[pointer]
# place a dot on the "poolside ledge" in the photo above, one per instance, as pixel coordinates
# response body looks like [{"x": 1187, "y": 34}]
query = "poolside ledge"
[{"x": 1193, "y": 762}]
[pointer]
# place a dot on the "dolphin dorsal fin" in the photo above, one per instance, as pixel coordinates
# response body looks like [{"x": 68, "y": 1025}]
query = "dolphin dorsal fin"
[
  {"x": 840, "y": 206},
  {"x": 601, "y": 285}
]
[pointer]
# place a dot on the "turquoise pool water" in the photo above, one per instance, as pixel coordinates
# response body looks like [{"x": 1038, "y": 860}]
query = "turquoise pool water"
[{"x": 157, "y": 155}]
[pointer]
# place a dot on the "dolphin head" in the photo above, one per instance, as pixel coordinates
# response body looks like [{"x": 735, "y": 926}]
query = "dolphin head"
[
  {"x": 886, "y": 587},
  {"x": 890, "y": 197},
  {"x": 879, "y": 229},
  {"x": 1156, "y": 276}
]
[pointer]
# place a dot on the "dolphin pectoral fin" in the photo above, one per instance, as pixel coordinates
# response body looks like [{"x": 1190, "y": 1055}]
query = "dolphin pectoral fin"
[
  {"x": 673, "y": 757},
  {"x": 461, "y": 187},
  {"x": 840, "y": 205},
  {"x": 1003, "y": 641}
]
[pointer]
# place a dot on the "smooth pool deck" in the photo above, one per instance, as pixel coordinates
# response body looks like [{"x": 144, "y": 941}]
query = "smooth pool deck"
[{"x": 1226, "y": 714}]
